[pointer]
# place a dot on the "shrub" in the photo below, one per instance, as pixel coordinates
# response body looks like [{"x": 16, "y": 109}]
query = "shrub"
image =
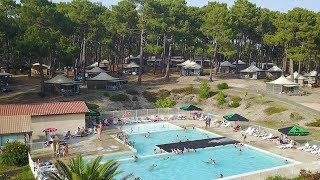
[
  {"x": 186, "y": 90},
  {"x": 309, "y": 175},
  {"x": 15, "y": 154},
  {"x": 106, "y": 94},
  {"x": 315, "y": 123},
  {"x": 92, "y": 105},
  {"x": 165, "y": 103},
  {"x": 150, "y": 96},
  {"x": 132, "y": 92},
  {"x": 204, "y": 90},
  {"x": 277, "y": 178},
  {"x": 295, "y": 116},
  {"x": 235, "y": 102},
  {"x": 220, "y": 98},
  {"x": 163, "y": 93},
  {"x": 274, "y": 110},
  {"x": 222, "y": 86},
  {"x": 134, "y": 98},
  {"x": 119, "y": 97}
]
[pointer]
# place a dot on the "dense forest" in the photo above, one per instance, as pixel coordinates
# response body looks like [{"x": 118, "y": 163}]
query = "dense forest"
[{"x": 81, "y": 32}]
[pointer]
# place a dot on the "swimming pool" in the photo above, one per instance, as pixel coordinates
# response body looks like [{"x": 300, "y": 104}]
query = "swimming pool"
[
  {"x": 150, "y": 127},
  {"x": 192, "y": 165}
]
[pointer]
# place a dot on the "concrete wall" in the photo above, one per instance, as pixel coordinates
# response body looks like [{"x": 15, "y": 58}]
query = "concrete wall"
[{"x": 67, "y": 122}]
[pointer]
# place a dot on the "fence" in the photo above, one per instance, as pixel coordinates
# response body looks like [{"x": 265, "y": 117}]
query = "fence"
[
  {"x": 38, "y": 146},
  {"x": 32, "y": 165},
  {"x": 144, "y": 112}
]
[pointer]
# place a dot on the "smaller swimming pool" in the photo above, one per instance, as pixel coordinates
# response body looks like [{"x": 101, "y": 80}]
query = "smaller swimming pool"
[{"x": 151, "y": 127}]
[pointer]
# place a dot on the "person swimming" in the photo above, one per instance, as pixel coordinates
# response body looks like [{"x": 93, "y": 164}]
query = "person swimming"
[
  {"x": 166, "y": 158},
  {"x": 210, "y": 161},
  {"x": 152, "y": 166},
  {"x": 221, "y": 175},
  {"x": 135, "y": 158}
]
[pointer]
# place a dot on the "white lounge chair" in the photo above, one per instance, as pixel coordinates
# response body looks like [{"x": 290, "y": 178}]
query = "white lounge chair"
[
  {"x": 316, "y": 151},
  {"x": 251, "y": 132},
  {"x": 247, "y": 130},
  {"x": 311, "y": 148},
  {"x": 317, "y": 163},
  {"x": 285, "y": 146},
  {"x": 226, "y": 124},
  {"x": 306, "y": 146},
  {"x": 268, "y": 137}
]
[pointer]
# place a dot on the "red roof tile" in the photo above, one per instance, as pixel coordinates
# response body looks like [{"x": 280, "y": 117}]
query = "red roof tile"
[
  {"x": 53, "y": 108},
  {"x": 15, "y": 124}
]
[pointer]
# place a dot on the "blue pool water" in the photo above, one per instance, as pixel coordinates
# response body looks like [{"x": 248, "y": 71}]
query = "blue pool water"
[{"x": 229, "y": 161}]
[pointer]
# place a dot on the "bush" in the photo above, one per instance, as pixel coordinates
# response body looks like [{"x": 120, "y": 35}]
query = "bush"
[
  {"x": 235, "y": 102},
  {"x": 150, "y": 96},
  {"x": 14, "y": 154},
  {"x": 165, "y": 103},
  {"x": 274, "y": 110},
  {"x": 132, "y": 92},
  {"x": 277, "y": 178},
  {"x": 106, "y": 94},
  {"x": 295, "y": 116},
  {"x": 92, "y": 105},
  {"x": 222, "y": 86},
  {"x": 163, "y": 93},
  {"x": 134, "y": 98},
  {"x": 220, "y": 98},
  {"x": 309, "y": 175},
  {"x": 186, "y": 90},
  {"x": 119, "y": 97},
  {"x": 204, "y": 90},
  {"x": 315, "y": 123}
]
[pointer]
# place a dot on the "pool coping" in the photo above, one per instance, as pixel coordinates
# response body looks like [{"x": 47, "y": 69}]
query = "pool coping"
[{"x": 141, "y": 124}]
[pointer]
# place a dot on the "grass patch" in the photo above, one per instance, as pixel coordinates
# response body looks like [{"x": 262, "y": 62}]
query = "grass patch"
[
  {"x": 119, "y": 97},
  {"x": 163, "y": 93},
  {"x": 14, "y": 172},
  {"x": 314, "y": 124},
  {"x": 186, "y": 90},
  {"x": 235, "y": 101},
  {"x": 274, "y": 110},
  {"x": 150, "y": 96},
  {"x": 132, "y": 92}
]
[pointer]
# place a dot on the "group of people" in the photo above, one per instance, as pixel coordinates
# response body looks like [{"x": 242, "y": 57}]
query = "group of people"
[
  {"x": 61, "y": 147},
  {"x": 185, "y": 150},
  {"x": 158, "y": 152},
  {"x": 208, "y": 122}
]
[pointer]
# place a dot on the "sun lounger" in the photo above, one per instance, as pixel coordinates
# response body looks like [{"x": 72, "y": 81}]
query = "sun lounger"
[
  {"x": 226, "y": 124},
  {"x": 316, "y": 151},
  {"x": 251, "y": 132},
  {"x": 311, "y": 148},
  {"x": 268, "y": 137},
  {"x": 317, "y": 163},
  {"x": 306, "y": 146},
  {"x": 285, "y": 146},
  {"x": 247, "y": 130}
]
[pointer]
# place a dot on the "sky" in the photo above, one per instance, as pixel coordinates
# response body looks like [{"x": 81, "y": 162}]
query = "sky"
[{"x": 277, "y": 5}]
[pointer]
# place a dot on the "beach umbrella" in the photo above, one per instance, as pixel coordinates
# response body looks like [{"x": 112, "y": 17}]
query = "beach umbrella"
[
  {"x": 294, "y": 131},
  {"x": 50, "y": 130},
  {"x": 92, "y": 113},
  {"x": 190, "y": 107},
  {"x": 234, "y": 117}
]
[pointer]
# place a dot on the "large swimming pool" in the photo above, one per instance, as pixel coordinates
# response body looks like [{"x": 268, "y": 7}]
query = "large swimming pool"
[{"x": 229, "y": 160}]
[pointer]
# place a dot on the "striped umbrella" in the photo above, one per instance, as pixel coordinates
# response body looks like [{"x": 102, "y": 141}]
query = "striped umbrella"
[{"x": 50, "y": 130}]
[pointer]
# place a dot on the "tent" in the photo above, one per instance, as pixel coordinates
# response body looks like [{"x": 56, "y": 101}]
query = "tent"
[
  {"x": 35, "y": 69},
  {"x": 92, "y": 113},
  {"x": 274, "y": 72},
  {"x": 294, "y": 131},
  {"x": 241, "y": 65},
  {"x": 62, "y": 85},
  {"x": 298, "y": 78},
  {"x": 280, "y": 85},
  {"x": 234, "y": 117},
  {"x": 191, "y": 69},
  {"x": 102, "y": 64},
  {"x": 105, "y": 81},
  {"x": 226, "y": 67},
  {"x": 132, "y": 68},
  {"x": 95, "y": 71},
  {"x": 190, "y": 107},
  {"x": 252, "y": 72},
  {"x": 184, "y": 63},
  {"x": 312, "y": 77}
]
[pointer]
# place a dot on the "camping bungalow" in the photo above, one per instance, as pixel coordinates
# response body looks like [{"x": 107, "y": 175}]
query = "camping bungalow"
[
  {"x": 282, "y": 85},
  {"x": 179, "y": 66},
  {"x": 191, "y": 69},
  {"x": 226, "y": 67},
  {"x": 103, "y": 65},
  {"x": 312, "y": 77},
  {"x": 35, "y": 69},
  {"x": 93, "y": 72},
  {"x": 252, "y": 72},
  {"x": 298, "y": 78},
  {"x": 131, "y": 68},
  {"x": 134, "y": 59},
  {"x": 274, "y": 73},
  {"x": 105, "y": 81},
  {"x": 62, "y": 86},
  {"x": 241, "y": 65}
]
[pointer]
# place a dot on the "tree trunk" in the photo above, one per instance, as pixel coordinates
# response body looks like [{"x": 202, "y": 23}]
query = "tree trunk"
[
  {"x": 141, "y": 56},
  {"x": 41, "y": 77},
  {"x": 291, "y": 70},
  {"x": 284, "y": 60},
  {"x": 30, "y": 66},
  {"x": 299, "y": 68},
  {"x": 167, "y": 76},
  {"x": 83, "y": 56},
  {"x": 163, "y": 53}
]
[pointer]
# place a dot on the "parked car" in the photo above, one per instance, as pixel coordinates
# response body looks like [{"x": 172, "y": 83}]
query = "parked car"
[{"x": 5, "y": 87}]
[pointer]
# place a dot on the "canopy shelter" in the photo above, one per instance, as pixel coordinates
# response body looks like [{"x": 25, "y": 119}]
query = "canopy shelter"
[
  {"x": 252, "y": 72},
  {"x": 234, "y": 117},
  {"x": 35, "y": 69},
  {"x": 191, "y": 69},
  {"x": 298, "y": 78},
  {"x": 132, "y": 68},
  {"x": 226, "y": 67},
  {"x": 190, "y": 107},
  {"x": 103, "y": 64},
  {"x": 93, "y": 72},
  {"x": 241, "y": 65},
  {"x": 184, "y": 63},
  {"x": 282, "y": 85},
  {"x": 274, "y": 72},
  {"x": 294, "y": 131},
  {"x": 92, "y": 113},
  {"x": 105, "y": 81},
  {"x": 4, "y": 77},
  {"x": 312, "y": 77},
  {"x": 62, "y": 86}
]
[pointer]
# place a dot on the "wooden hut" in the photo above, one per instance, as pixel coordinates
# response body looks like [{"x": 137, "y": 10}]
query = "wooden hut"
[
  {"x": 191, "y": 69},
  {"x": 131, "y": 68},
  {"x": 105, "y": 81},
  {"x": 226, "y": 67},
  {"x": 62, "y": 86},
  {"x": 274, "y": 73},
  {"x": 252, "y": 72},
  {"x": 35, "y": 69},
  {"x": 93, "y": 72},
  {"x": 282, "y": 85},
  {"x": 241, "y": 65}
]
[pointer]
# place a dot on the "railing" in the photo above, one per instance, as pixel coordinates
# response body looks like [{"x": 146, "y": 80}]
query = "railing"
[{"x": 38, "y": 146}]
